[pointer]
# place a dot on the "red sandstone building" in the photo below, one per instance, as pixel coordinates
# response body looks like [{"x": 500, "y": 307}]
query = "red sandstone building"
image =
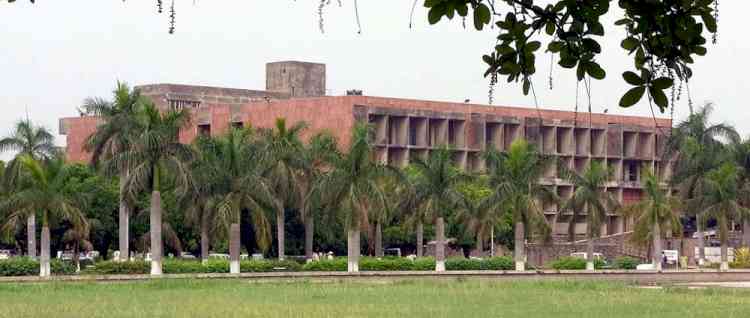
[{"x": 411, "y": 128}]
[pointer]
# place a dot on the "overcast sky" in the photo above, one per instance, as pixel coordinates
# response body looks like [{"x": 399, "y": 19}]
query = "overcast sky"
[{"x": 56, "y": 53}]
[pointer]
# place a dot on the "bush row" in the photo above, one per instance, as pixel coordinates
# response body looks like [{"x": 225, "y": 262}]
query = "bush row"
[
  {"x": 24, "y": 266},
  {"x": 574, "y": 263},
  {"x": 29, "y": 267}
]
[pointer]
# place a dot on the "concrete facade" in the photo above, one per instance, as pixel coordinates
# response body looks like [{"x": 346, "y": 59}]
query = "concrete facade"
[{"x": 408, "y": 128}]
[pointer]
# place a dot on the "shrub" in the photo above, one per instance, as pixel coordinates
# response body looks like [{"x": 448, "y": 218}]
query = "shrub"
[
  {"x": 334, "y": 265},
  {"x": 464, "y": 264},
  {"x": 574, "y": 263},
  {"x": 24, "y": 266},
  {"x": 424, "y": 264},
  {"x": 60, "y": 267},
  {"x": 114, "y": 268},
  {"x": 626, "y": 262},
  {"x": 19, "y": 266},
  {"x": 741, "y": 258}
]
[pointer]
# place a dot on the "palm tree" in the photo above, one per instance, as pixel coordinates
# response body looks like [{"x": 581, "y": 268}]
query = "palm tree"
[
  {"x": 741, "y": 156},
  {"x": 284, "y": 148},
  {"x": 655, "y": 214},
  {"x": 479, "y": 220},
  {"x": 43, "y": 192},
  {"x": 693, "y": 146},
  {"x": 117, "y": 129},
  {"x": 36, "y": 142},
  {"x": 155, "y": 153},
  {"x": 316, "y": 156},
  {"x": 436, "y": 194},
  {"x": 230, "y": 169},
  {"x": 591, "y": 198},
  {"x": 513, "y": 178},
  {"x": 350, "y": 189},
  {"x": 408, "y": 205},
  {"x": 721, "y": 200},
  {"x": 77, "y": 237}
]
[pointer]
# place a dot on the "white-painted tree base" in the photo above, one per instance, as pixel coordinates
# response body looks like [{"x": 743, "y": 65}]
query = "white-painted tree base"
[
  {"x": 590, "y": 266},
  {"x": 724, "y": 266},
  {"x": 352, "y": 267},
  {"x": 234, "y": 267},
  {"x": 156, "y": 268},
  {"x": 44, "y": 269},
  {"x": 440, "y": 266},
  {"x": 520, "y": 266}
]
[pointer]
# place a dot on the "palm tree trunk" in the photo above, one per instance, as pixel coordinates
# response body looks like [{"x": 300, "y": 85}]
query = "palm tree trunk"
[
  {"x": 124, "y": 222},
  {"x": 420, "y": 239},
  {"x": 352, "y": 243},
  {"x": 590, "y": 251},
  {"x": 724, "y": 256},
  {"x": 31, "y": 235},
  {"x": 234, "y": 248},
  {"x": 492, "y": 241},
  {"x": 280, "y": 220},
  {"x": 77, "y": 257},
  {"x": 378, "y": 240},
  {"x": 156, "y": 237},
  {"x": 204, "y": 240},
  {"x": 439, "y": 245},
  {"x": 656, "y": 256},
  {"x": 518, "y": 248},
  {"x": 480, "y": 245},
  {"x": 701, "y": 241},
  {"x": 746, "y": 232},
  {"x": 309, "y": 236},
  {"x": 44, "y": 267}
]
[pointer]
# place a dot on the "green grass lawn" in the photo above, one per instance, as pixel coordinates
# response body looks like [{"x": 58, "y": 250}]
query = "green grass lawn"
[{"x": 422, "y": 298}]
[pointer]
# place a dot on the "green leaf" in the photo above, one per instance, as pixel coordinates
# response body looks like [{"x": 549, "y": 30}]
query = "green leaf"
[
  {"x": 436, "y": 13},
  {"x": 596, "y": 71},
  {"x": 592, "y": 45},
  {"x": 660, "y": 99},
  {"x": 568, "y": 63},
  {"x": 526, "y": 86},
  {"x": 550, "y": 28},
  {"x": 710, "y": 22},
  {"x": 632, "y": 78},
  {"x": 462, "y": 9},
  {"x": 632, "y": 96},
  {"x": 662, "y": 83},
  {"x": 533, "y": 46},
  {"x": 630, "y": 44},
  {"x": 482, "y": 16},
  {"x": 624, "y": 21}
]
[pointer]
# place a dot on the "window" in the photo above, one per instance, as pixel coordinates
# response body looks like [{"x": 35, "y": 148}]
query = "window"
[
  {"x": 179, "y": 104},
  {"x": 204, "y": 130},
  {"x": 237, "y": 124}
]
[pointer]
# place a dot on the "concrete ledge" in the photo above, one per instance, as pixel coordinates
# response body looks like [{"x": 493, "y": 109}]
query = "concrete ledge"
[{"x": 640, "y": 277}]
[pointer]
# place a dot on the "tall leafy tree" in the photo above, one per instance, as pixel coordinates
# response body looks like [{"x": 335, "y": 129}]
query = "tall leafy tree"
[
  {"x": 284, "y": 147},
  {"x": 741, "y": 156},
  {"x": 591, "y": 199},
  {"x": 513, "y": 178},
  {"x": 43, "y": 192},
  {"x": 350, "y": 188},
  {"x": 317, "y": 156},
  {"x": 654, "y": 215},
  {"x": 720, "y": 199},
  {"x": 696, "y": 148},
  {"x": 155, "y": 154},
  {"x": 118, "y": 128},
  {"x": 436, "y": 193},
  {"x": 36, "y": 142},
  {"x": 230, "y": 168}
]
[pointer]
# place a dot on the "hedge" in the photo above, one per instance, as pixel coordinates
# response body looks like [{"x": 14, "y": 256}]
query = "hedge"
[
  {"x": 626, "y": 262},
  {"x": 27, "y": 267},
  {"x": 575, "y": 263},
  {"x": 496, "y": 263},
  {"x": 24, "y": 266}
]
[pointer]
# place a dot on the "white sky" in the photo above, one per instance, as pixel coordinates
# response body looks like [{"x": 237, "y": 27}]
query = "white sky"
[{"x": 56, "y": 53}]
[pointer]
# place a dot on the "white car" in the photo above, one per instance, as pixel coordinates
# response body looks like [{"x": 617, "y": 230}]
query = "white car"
[
  {"x": 4, "y": 254},
  {"x": 584, "y": 255}
]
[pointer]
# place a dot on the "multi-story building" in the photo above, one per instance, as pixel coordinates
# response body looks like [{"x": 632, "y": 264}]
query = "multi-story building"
[{"x": 408, "y": 128}]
